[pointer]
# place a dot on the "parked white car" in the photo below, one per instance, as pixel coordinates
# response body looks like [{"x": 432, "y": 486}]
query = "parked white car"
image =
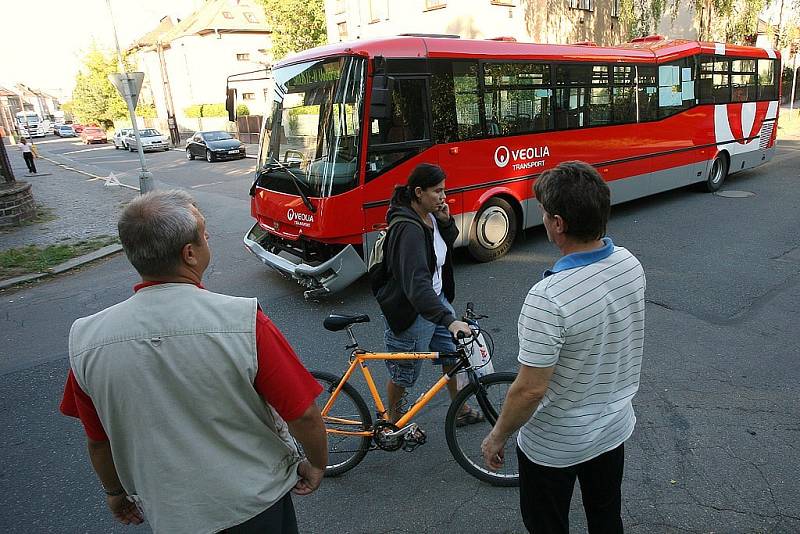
[
  {"x": 121, "y": 138},
  {"x": 151, "y": 140}
]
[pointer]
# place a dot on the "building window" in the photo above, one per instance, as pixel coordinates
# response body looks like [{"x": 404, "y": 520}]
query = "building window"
[
  {"x": 248, "y": 96},
  {"x": 377, "y": 10},
  {"x": 435, "y": 4},
  {"x": 581, "y": 4},
  {"x": 227, "y": 14},
  {"x": 242, "y": 57},
  {"x": 340, "y": 7},
  {"x": 342, "y": 27},
  {"x": 250, "y": 17},
  {"x": 615, "y": 8}
]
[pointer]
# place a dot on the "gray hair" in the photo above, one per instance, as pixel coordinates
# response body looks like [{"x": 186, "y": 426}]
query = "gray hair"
[{"x": 154, "y": 228}]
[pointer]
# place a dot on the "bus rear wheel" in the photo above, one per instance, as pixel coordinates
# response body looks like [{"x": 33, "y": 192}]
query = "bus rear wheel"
[
  {"x": 493, "y": 230},
  {"x": 717, "y": 173}
]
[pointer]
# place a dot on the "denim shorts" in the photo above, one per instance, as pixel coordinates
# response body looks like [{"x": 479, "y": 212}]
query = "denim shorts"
[{"x": 421, "y": 336}]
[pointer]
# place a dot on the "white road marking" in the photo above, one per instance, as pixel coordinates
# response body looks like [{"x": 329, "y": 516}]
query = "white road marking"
[
  {"x": 206, "y": 185},
  {"x": 88, "y": 150}
]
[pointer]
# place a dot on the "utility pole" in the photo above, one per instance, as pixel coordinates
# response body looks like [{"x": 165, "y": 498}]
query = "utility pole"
[
  {"x": 794, "y": 48},
  {"x": 174, "y": 133},
  {"x": 145, "y": 178}
]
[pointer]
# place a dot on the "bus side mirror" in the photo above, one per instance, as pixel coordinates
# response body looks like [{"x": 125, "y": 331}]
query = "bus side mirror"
[
  {"x": 381, "y": 99},
  {"x": 230, "y": 104}
]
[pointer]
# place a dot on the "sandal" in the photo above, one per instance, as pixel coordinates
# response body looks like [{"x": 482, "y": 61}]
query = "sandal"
[{"x": 470, "y": 417}]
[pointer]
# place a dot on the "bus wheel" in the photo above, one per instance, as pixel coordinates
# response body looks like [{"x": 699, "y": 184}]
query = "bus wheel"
[
  {"x": 717, "y": 174},
  {"x": 493, "y": 230}
]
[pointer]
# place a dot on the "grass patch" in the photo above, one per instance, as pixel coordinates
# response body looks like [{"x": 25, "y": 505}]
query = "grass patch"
[
  {"x": 789, "y": 123},
  {"x": 37, "y": 259}
]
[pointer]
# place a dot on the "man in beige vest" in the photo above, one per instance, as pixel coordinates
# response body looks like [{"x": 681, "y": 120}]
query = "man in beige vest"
[{"x": 191, "y": 400}]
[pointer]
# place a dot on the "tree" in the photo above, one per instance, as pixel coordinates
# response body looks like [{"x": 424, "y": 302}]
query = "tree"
[
  {"x": 95, "y": 99},
  {"x": 731, "y": 21},
  {"x": 296, "y": 25}
]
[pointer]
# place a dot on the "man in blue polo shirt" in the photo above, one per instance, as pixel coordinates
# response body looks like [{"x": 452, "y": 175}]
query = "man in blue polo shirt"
[{"x": 581, "y": 332}]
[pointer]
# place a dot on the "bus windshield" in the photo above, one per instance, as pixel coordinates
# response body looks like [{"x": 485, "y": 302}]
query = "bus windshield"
[{"x": 311, "y": 140}]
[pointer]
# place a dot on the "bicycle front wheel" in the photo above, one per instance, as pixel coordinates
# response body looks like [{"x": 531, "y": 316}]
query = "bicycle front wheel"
[
  {"x": 349, "y": 413},
  {"x": 465, "y": 441}
]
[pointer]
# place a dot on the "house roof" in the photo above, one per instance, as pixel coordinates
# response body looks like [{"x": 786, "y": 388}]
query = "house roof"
[
  {"x": 6, "y": 92},
  {"x": 154, "y": 35},
  {"x": 223, "y": 16}
]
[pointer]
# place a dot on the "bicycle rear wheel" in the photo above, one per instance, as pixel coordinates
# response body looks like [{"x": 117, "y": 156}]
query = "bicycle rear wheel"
[
  {"x": 349, "y": 413},
  {"x": 465, "y": 441}
]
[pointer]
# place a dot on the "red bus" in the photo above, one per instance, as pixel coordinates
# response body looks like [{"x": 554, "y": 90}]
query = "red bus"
[{"x": 351, "y": 120}]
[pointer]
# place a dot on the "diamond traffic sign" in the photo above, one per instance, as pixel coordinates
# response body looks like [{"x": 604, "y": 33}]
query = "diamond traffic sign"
[{"x": 129, "y": 85}]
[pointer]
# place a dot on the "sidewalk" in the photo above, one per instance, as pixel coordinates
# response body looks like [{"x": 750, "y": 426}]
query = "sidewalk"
[{"x": 75, "y": 207}]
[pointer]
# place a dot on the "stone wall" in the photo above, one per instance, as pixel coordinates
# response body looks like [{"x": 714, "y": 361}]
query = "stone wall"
[{"x": 16, "y": 203}]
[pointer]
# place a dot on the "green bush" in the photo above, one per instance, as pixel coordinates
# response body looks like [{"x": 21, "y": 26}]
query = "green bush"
[
  {"x": 205, "y": 110},
  {"x": 242, "y": 110}
]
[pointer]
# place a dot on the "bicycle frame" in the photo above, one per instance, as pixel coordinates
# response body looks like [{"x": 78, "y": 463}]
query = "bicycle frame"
[{"x": 360, "y": 359}]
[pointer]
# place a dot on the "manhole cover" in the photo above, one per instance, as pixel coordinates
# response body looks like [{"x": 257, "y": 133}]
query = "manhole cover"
[{"x": 734, "y": 194}]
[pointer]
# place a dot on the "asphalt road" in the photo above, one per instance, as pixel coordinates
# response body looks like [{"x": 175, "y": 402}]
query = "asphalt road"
[{"x": 715, "y": 449}]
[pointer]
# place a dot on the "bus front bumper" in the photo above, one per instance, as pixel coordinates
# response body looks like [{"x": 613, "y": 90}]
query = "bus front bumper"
[{"x": 320, "y": 280}]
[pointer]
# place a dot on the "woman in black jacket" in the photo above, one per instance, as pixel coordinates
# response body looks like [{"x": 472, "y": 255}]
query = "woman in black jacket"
[{"x": 416, "y": 299}]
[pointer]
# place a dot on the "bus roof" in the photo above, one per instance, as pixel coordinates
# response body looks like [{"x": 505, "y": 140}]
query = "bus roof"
[{"x": 644, "y": 50}]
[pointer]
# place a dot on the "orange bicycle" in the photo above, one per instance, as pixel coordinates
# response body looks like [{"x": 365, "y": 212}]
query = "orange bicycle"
[{"x": 352, "y": 433}]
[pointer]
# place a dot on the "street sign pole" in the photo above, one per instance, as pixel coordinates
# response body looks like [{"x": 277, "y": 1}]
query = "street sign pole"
[
  {"x": 129, "y": 85},
  {"x": 794, "y": 80}
]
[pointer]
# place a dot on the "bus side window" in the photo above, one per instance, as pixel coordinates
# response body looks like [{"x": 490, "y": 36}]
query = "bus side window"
[
  {"x": 647, "y": 81},
  {"x": 396, "y": 139},
  {"x": 517, "y": 97},
  {"x": 767, "y": 82},
  {"x": 571, "y": 103},
  {"x": 455, "y": 100},
  {"x": 623, "y": 99},
  {"x": 675, "y": 87},
  {"x": 743, "y": 80}
]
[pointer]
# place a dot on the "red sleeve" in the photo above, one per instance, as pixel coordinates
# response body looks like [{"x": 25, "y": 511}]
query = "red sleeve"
[
  {"x": 76, "y": 403},
  {"x": 282, "y": 380}
]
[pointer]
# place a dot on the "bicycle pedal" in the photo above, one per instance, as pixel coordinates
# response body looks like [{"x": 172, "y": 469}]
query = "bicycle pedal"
[{"x": 413, "y": 439}]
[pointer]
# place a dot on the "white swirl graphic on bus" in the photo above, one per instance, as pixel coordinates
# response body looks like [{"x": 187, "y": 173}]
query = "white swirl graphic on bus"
[{"x": 502, "y": 156}]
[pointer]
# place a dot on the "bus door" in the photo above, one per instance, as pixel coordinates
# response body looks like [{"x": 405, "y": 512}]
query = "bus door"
[{"x": 397, "y": 144}]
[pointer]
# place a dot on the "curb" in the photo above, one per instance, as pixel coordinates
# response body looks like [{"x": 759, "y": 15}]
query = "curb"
[{"x": 68, "y": 265}]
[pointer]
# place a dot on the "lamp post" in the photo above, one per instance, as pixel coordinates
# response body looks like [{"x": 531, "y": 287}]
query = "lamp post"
[
  {"x": 794, "y": 49},
  {"x": 145, "y": 177}
]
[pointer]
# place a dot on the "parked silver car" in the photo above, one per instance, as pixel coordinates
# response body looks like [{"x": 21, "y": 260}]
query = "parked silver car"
[
  {"x": 151, "y": 140},
  {"x": 121, "y": 138}
]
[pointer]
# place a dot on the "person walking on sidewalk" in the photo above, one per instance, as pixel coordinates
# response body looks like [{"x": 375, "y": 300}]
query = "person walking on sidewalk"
[
  {"x": 191, "y": 399},
  {"x": 581, "y": 333},
  {"x": 27, "y": 155}
]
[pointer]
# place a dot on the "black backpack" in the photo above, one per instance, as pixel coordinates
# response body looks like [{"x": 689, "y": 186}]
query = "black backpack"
[{"x": 377, "y": 269}]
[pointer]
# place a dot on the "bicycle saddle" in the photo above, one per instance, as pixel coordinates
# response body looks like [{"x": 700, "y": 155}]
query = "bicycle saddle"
[{"x": 335, "y": 322}]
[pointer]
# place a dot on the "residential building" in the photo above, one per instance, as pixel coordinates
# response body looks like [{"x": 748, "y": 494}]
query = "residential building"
[
  {"x": 10, "y": 105},
  {"x": 540, "y": 21},
  {"x": 21, "y": 97},
  {"x": 37, "y": 100},
  {"x": 187, "y": 62}
]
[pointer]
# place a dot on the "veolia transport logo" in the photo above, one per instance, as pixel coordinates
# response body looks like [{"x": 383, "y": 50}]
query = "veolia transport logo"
[
  {"x": 300, "y": 219},
  {"x": 523, "y": 158},
  {"x": 502, "y": 156}
]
